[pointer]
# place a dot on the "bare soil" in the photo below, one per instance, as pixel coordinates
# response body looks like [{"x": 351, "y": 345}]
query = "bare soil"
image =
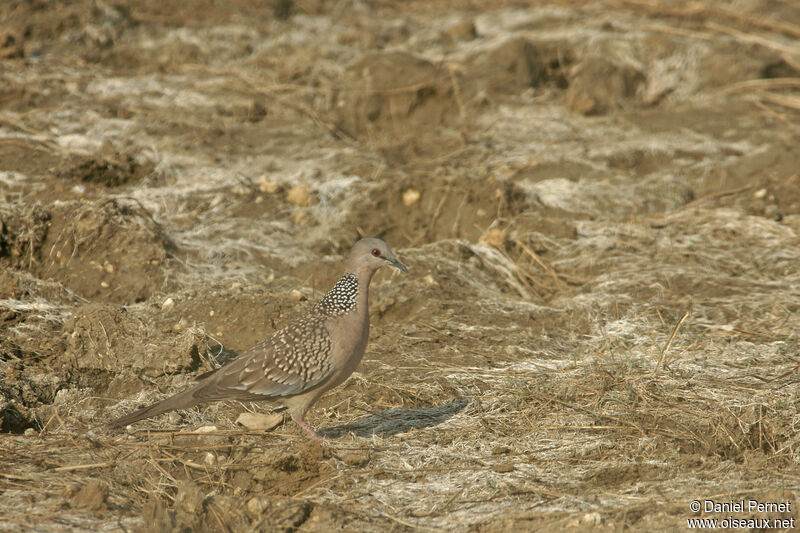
[{"x": 599, "y": 203}]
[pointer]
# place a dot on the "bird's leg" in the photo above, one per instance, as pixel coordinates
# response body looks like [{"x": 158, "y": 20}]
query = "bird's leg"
[{"x": 308, "y": 429}]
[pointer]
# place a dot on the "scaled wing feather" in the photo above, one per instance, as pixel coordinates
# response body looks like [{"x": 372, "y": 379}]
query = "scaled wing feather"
[{"x": 293, "y": 360}]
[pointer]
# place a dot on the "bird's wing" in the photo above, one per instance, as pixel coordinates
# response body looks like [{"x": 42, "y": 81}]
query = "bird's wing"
[{"x": 294, "y": 359}]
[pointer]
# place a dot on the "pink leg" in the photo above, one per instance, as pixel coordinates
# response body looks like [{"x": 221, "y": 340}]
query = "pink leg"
[{"x": 308, "y": 429}]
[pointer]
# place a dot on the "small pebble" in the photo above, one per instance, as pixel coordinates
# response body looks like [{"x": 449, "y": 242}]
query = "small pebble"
[
  {"x": 257, "y": 421},
  {"x": 104, "y": 284},
  {"x": 355, "y": 457},
  {"x": 296, "y": 295},
  {"x": 500, "y": 450},
  {"x": 592, "y": 519},
  {"x": 299, "y": 195},
  {"x": 410, "y": 197},
  {"x": 494, "y": 237},
  {"x": 299, "y": 216},
  {"x": 463, "y": 30},
  {"x": 428, "y": 279},
  {"x": 257, "y": 505},
  {"x": 267, "y": 186}
]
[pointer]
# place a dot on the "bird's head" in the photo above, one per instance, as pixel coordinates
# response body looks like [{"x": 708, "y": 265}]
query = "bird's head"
[{"x": 368, "y": 255}]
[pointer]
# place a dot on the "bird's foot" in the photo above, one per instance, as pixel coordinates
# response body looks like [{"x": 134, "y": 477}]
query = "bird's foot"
[{"x": 308, "y": 429}]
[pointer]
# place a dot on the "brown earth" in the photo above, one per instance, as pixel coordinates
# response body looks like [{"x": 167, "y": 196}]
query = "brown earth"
[{"x": 599, "y": 203}]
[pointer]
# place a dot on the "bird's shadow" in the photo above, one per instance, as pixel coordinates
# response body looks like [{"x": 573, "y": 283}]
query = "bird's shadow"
[{"x": 398, "y": 420}]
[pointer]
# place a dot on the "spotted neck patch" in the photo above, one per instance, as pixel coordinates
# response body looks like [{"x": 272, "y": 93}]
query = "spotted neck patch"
[{"x": 341, "y": 298}]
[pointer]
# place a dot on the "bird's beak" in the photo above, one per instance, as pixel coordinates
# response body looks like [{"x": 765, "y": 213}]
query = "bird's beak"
[{"x": 397, "y": 264}]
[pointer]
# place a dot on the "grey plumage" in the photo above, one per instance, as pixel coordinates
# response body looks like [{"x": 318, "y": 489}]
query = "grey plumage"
[{"x": 302, "y": 360}]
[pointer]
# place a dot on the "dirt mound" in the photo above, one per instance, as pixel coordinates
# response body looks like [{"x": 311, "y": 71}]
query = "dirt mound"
[
  {"x": 108, "y": 250},
  {"x": 517, "y": 64},
  {"x": 36, "y": 28},
  {"x": 597, "y": 85},
  {"x": 113, "y": 170},
  {"x": 100, "y": 339},
  {"x": 599, "y": 205},
  {"x": 422, "y": 208},
  {"x": 371, "y": 104}
]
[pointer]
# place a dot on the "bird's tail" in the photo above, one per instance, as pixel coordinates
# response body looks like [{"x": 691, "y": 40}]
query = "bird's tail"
[{"x": 182, "y": 400}]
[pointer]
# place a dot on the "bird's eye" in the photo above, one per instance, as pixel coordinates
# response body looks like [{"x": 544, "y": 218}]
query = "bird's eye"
[{"x": 376, "y": 252}]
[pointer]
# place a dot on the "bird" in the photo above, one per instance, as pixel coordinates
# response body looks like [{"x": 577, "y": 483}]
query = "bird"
[{"x": 301, "y": 361}]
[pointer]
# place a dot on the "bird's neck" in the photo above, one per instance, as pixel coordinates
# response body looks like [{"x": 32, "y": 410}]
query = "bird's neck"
[
  {"x": 364, "y": 279},
  {"x": 349, "y": 295}
]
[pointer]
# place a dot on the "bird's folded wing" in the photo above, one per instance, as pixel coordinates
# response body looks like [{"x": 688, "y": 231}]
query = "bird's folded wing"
[{"x": 293, "y": 360}]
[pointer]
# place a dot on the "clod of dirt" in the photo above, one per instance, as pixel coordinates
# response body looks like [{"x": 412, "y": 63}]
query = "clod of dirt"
[
  {"x": 157, "y": 517},
  {"x": 461, "y": 30},
  {"x": 503, "y": 468},
  {"x": 299, "y": 195},
  {"x": 190, "y": 499},
  {"x": 517, "y": 64},
  {"x": 598, "y": 85},
  {"x": 496, "y": 237},
  {"x": 191, "y": 511},
  {"x": 22, "y": 232},
  {"x": 281, "y": 514},
  {"x": 9, "y": 287},
  {"x": 111, "y": 340},
  {"x": 69, "y": 28},
  {"x": 23, "y": 389},
  {"x": 13, "y": 418},
  {"x": 501, "y": 450},
  {"x": 355, "y": 457},
  {"x": 372, "y": 102},
  {"x": 108, "y": 251},
  {"x": 11, "y": 46},
  {"x": 291, "y": 473},
  {"x": 109, "y": 170},
  {"x": 614, "y": 475},
  {"x": 267, "y": 186},
  {"x": 91, "y": 496}
]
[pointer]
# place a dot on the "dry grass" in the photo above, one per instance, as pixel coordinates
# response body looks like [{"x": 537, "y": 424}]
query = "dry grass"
[{"x": 600, "y": 322}]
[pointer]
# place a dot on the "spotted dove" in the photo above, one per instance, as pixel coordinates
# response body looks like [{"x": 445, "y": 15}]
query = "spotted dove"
[{"x": 304, "y": 359}]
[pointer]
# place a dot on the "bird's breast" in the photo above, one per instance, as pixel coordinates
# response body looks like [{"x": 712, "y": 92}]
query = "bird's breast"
[{"x": 349, "y": 336}]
